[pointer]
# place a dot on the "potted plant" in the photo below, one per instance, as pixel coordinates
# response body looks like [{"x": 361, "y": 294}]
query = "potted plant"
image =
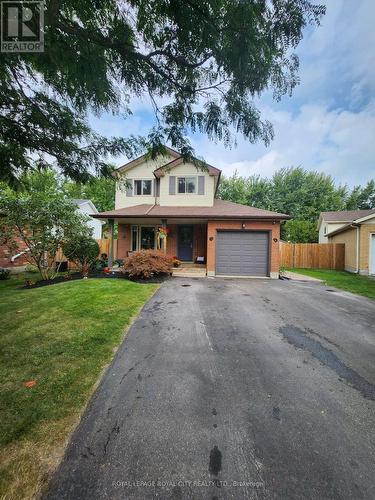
[{"x": 176, "y": 262}]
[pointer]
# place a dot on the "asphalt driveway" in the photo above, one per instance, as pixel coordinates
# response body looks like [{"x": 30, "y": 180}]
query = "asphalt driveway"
[{"x": 233, "y": 389}]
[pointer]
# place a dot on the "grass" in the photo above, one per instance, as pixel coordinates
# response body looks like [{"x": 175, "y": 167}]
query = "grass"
[
  {"x": 349, "y": 282},
  {"x": 62, "y": 336}
]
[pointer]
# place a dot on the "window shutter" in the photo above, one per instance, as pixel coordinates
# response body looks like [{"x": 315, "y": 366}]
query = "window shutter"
[
  {"x": 200, "y": 184},
  {"x": 172, "y": 184},
  {"x": 129, "y": 190}
]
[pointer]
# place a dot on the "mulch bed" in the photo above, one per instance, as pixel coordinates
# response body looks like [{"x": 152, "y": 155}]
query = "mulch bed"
[{"x": 78, "y": 276}]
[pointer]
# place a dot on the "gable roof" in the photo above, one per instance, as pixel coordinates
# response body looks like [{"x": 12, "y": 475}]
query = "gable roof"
[
  {"x": 142, "y": 158},
  {"x": 220, "y": 210},
  {"x": 346, "y": 215},
  {"x": 354, "y": 223},
  {"x": 81, "y": 201},
  {"x": 160, "y": 171}
]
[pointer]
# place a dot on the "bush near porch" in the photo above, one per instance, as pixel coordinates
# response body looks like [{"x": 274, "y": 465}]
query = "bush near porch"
[
  {"x": 146, "y": 264},
  {"x": 56, "y": 340}
]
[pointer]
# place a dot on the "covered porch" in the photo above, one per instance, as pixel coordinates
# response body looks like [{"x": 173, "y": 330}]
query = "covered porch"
[{"x": 185, "y": 240}]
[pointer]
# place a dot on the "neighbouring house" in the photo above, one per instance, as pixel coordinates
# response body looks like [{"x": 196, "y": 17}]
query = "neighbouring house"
[
  {"x": 167, "y": 196},
  {"x": 330, "y": 221},
  {"x": 86, "y": 207},
  {"x": 357, "y": 231},
  {"x": 18, "y": 258}
]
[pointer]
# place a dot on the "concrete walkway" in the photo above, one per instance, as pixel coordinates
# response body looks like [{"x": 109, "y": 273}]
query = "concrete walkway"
[{"x": 300, "y": 277}]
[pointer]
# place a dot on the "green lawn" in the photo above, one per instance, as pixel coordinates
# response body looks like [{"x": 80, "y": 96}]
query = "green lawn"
[
  {"x": 62, "y": 336},
  {"x": 341, "y": 279}
]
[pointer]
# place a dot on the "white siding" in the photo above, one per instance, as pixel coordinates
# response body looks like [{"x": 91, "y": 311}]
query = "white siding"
[
  {"x": 331, "y": 226},
  {"x": 143, "y": 171},
  {"x": 187, "y": 200},
  {"x": 95, "y": 224}
]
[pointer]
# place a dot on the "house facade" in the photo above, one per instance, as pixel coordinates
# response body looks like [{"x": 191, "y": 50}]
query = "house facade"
[
  {"x": 19, "y": 257},
  {"x": 358, "y": 235},
  {"x": 169, "y": 204},
  {"x": 86, "y": 208},
  {"x": 331, "y": 221}
]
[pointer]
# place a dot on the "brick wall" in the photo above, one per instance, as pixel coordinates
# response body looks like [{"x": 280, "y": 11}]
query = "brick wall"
[{"x": 213, "y": 226}]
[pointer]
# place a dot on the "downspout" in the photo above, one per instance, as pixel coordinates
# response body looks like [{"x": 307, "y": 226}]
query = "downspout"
[
  {"x": 14, "y": 257},
  {"x": 357, "y": 260}
]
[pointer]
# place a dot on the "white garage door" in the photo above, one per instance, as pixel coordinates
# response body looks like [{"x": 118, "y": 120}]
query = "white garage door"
[{"x": 242, "y": 253}]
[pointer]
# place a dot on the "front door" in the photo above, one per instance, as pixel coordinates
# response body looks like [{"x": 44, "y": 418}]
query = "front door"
[{"x": 185, "y": 243}]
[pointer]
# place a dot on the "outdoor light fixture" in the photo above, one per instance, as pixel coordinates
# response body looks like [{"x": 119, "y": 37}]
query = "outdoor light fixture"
[
  {"x": 275, "y": 240},
  {"x": 243, "y": 226},
  {"x": 211, "y": 238}
]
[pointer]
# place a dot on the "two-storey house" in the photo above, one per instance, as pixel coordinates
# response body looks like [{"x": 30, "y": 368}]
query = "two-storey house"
[{"x": 168, "y": 196}]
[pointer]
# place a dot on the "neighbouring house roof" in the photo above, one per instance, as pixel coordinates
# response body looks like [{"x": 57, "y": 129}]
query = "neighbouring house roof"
[
  {"x": 346, "y": 215},
  {"x": 81, "y": 201},
  {"x": 343, "y": 216},
  {"x": 220, "y": 210},
  {"x": 355, "y": 223}
]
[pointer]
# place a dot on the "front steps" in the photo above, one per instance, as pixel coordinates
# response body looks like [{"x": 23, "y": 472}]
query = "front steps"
[{"x": 190, "y": 271}]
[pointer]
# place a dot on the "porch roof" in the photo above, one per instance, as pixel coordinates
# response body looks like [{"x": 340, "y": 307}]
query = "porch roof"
[{"x": 220, "y": 210}]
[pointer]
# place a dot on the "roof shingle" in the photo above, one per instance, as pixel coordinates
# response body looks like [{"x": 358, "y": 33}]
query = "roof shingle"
[
  {"x": 220, "y": 209},
  {"x": 346, "y": 215}
]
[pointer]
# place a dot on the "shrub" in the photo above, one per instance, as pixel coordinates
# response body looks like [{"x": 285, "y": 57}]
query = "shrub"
[
  {"x": 30, "y": 268},
  {"x": 4, "y": 274},
  {"x": 83, "y": 251},
  {"x": 99, "y": 264},
  {"x": 147, "y": 263}
]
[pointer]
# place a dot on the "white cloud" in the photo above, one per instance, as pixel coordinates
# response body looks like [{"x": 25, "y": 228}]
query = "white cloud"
[
  {"x": 337, "y": 142},
  {"x": 329, "y": 123}
]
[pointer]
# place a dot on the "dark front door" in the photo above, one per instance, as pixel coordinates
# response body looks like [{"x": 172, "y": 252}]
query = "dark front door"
[{"x": 185, "y": 243}]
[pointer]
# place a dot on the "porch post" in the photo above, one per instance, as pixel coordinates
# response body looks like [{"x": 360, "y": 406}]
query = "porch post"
[
  {"x": 110, "y": 249},
  {"x": 164, "y": 225}
]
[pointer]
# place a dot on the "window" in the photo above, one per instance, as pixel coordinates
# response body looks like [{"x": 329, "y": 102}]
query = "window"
[
  {"x": 186, "y": 185},
  {"x": 325, "y": 229},
  {"x": 142, "y": 238},
  {"x": 142, "y": 187},
  {"x": 147, "y": 238}
]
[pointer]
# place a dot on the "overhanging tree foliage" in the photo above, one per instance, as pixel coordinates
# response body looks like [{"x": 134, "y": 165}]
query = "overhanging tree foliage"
[
  {"x": 208, "y": 59},
  {"x": 300, "y": 193}
]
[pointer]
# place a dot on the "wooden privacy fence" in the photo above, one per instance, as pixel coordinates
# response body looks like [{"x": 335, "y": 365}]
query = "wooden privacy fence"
[
  {"x": 103, "y": 248},
  {"x": 313, "y": 255}
]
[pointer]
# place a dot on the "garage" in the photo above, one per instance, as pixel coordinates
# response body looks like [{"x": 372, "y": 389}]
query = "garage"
[{"x": 242, "y": 253}]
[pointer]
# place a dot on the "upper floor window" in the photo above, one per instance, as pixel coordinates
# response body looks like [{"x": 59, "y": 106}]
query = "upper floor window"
[
  {"x": 187, "y": 185},
  {"x": 142, "y": 187},
  {"x": 325, "y": 229}
]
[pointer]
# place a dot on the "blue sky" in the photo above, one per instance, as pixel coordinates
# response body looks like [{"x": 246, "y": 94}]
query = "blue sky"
[{"x": 327, "y": 125}]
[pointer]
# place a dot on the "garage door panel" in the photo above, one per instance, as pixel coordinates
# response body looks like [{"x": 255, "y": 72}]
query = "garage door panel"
[{"x": 242, "y": 253}]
